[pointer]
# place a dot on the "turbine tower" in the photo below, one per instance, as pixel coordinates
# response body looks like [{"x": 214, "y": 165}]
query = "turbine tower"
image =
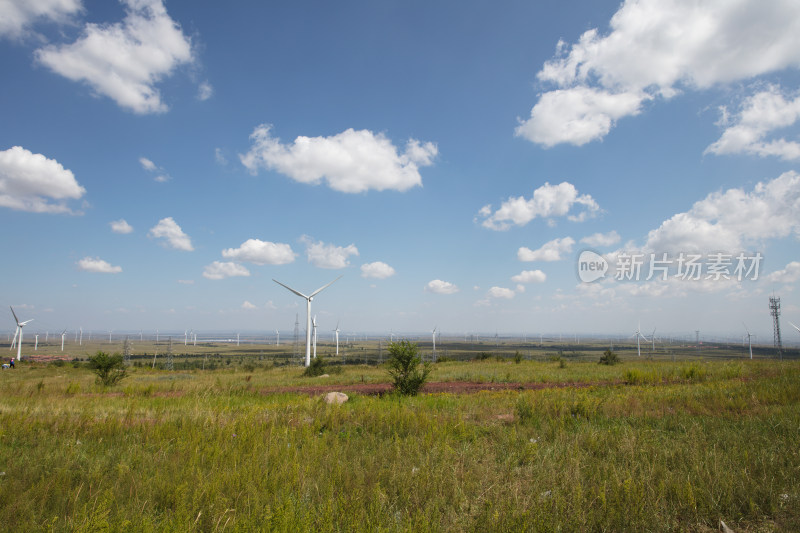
[
  {"x": 308, "y": 311},
  {"x": 336, "y": 331},
  {"x": 63, "y": 334},
  {"x": 20, "y": 325},
  {"x": 314, "y": 327},
  {"x": 638, "y": 335},
  {"x": 750, "y": 344},
  {"x": 433, "y": 333}
]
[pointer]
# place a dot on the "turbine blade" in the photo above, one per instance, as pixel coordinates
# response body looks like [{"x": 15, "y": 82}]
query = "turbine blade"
[
  {"x": 795, "y": 327},
  {"x": 291, "y": 289},
  {"x": 15, "y": 315},
  {"x": 324, "y": 287}
]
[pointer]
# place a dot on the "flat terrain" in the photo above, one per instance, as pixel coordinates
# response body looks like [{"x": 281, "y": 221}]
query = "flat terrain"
[{"x": 490, "y": 445}]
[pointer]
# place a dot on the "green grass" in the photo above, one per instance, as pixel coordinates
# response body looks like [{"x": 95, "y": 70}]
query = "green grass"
[{"x": 649, "y": 446}]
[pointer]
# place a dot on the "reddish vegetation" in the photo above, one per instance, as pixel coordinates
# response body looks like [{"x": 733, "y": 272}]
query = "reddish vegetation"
[
  {"x": 47, "y": 358},
  {"x": 455, "y": 387}
]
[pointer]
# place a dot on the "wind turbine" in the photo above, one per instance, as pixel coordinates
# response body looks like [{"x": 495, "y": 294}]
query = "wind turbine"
[
  {"x": 308, "y": 311},
  {"x": 653, "y": 338},
  {"x": 63, "y": 334},
  {"x": 795, "y": 327},
  {"x": 36, "y": 343},
  {"x": 277, "y": 338},
  {"x": 434, "y": 340},
  {"x": 748, "y": 338},
  {"x": 314, "y": 327},
  {"x": 638, "y": 335},
  {"x": 20, "y": 325},
  {"x": 336, "y": 331}
]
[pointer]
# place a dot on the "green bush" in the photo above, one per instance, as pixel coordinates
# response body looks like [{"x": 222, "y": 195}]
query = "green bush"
[
  {"x": 517, "y": 357},
  {"x": 316, "y": 368},
  {"x": 110, "y": 369},
  {"x": 404, "y": 367},
  {"x": 609, "y": 358}
]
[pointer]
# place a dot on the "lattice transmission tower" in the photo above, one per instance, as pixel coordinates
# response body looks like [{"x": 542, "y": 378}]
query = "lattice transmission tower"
[{"x": 775, "y": 311}]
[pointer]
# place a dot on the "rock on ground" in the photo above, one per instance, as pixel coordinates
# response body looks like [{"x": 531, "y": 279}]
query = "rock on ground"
[{"x": 337, "y": 398}]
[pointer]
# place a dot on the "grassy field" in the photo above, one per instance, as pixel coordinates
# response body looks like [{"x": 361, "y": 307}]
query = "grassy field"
[{"x": 647, "y": 446}]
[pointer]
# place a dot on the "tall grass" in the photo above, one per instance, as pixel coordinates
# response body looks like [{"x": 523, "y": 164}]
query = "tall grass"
[{"x": 213, "y": 452}]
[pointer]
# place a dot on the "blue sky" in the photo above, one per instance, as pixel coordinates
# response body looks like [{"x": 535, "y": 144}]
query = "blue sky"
[{"x": 161, "y": 163}]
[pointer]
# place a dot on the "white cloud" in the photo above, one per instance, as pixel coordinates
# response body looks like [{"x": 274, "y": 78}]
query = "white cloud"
[
  {"x": 438, "y": 286},
  {"x": 124, "y": 61},
  {"x": 377, "y": 270},
  {"x": 186, "y": 281},
  {"x": 760, "y": 114},
  {"x": 261, "y": 253},
  {"x": 219, "y": 156},
  {"x": 248, "y": 306},
  {"x": 222, "y": 270},
  {"x": 95, "y": 264},
  {"x": 547, "y": 201},
  {"x": 32, "y": 182},
  {"x": 351, "y": 161},
  {"x": 148, "y": 165},
  {"x": 657, "y": 49},
  {"x": 602, "y": 239},
  {"x": 172, "y": 233},
  {"x": 733, "y": 219},
  {"x": 577, "y": 115},
  {"x": 323, "y": 255},
  {"x": 550, "y": 251},
  {"x": 204, "y": 91},
  {"x": 790, "y": 274},
  {"x": 121, "y": 226},
  {"x": 17, "y": 16},
  {"x": 530, "y": 276},
  {"x": 501, "y": 293}
]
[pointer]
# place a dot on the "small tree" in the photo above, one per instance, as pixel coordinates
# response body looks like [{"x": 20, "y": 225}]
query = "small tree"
[
  {"x": 404, "y": 367},
  {"x": 609, "y": 358},
  {"x": 110, "y": 369},
  {"x": 317, "y": 367}
]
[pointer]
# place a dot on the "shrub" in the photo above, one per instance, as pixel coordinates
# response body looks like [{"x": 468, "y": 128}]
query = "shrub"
[
  {"x": 609, "y": 358},
  {"x": 110, "y": 369},
  {"x": 404, "y": 367},
  {"x": 517, "y": 357},
  {"x": 316, "y": 368}
]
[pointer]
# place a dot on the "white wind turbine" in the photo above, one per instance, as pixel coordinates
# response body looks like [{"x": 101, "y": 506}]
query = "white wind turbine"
[
  {"x": 277, "y": 338},
  {"x": 638, "y": 335},
  {"x": 314, "y": 328},
  {"x": 308, "y": 312},
  {"x": 36, "y": 343},
  {"x": 20, "y": 325},
  {"x": 336, "y": 331},
  {"x": 63, "y": 334},
  {"x": 433, "y": 333},
  {"x": 750, "y": 344},
  {"x": 653, "y": 339}
]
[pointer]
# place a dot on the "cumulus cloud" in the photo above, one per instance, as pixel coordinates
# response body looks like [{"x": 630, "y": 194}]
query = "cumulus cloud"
[
  {"x": 124, "y": 61},
  {"x": 550, "y": 251},
  {"x": 530, "y": 276},
  {"x": 17, "y": 16},
  {"x": 790, "y": 274},
  {"x": 438, "y": 286},
  {"x": 222, "y": 270},
  {"x": 351, "y": 161},
  {"x": 261, "y": 253},
  {"x": 172, "y": 234},
  {"x": 760, "y": 115},
  {"x": 500, "y": 293},
  {"x": 328, "y": 255},
  {"x": 656, "y": 49},
  {"x": 732, "y": 219},
  {"x": 95, "y": 264},
  {"x": 121, "y": 226},
  {"x": 377, "y": 270},
  {"x": 32, "y": 182},
  {"x": 248, "y": 306},
  {"x": 548, "y": 201},
  {"x": 602, "y": 239}
]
